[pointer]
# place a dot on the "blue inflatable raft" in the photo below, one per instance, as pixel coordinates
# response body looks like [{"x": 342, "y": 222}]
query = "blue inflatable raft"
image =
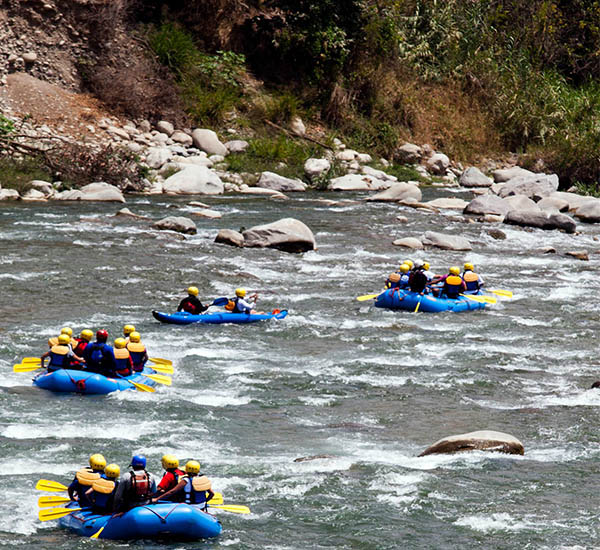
[
  {"x": 407, "y": 300},
  {"x": 172, "y": 521},
  {"x": 90, "y": 383},
  {"x": 184, "y": 318}
]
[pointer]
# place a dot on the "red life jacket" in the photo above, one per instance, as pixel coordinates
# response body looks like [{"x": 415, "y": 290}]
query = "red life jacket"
[
  {"x": 140, "y": 485},
  {"x": 81, "y": 344}
]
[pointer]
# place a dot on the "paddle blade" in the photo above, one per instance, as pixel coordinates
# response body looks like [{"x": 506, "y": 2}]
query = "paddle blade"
[
  {"x": 143, "y": 387},
  {"x": 160, "y": 378},
  {"x": 366, "y": 297},
  {"x": 97, "y": 533},
  {"x": 234, "y": 508},
  {"x": 49, "y": 485},
  {"x": 160, "y": 361},
  {"x": 31, "y": 360},
  {"x": 480, "y": 299},
  {"x": 55, "y": 513},
  {"x": 27, "y": 367},
  {"x": 217, "y": 499},
  {"x": 220, "y": 301},
  {"x": 45, "y": 502},
  {"x": 499, "y": 292},
  {"x": 166, "y": 369}
]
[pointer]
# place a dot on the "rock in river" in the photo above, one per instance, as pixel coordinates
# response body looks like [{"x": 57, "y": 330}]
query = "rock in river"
[
  {"x": 287, "y": 234},
  {"x": 484, "y": 440}
]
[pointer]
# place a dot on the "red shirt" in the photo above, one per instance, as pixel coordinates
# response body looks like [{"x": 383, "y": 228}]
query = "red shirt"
[{"x": 170, "y": 479}]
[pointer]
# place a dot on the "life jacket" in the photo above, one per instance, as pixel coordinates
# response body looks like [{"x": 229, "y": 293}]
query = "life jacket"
[
  {"x": 80, "y": 345},
  {"x": 122, "y": 362},
  {"x": 195, "y": 489},
  {"x": 140, "y": 485},
  {"x": 96, "y": 356},
  {"x": 59, "y": 358},
  {"x": 85, "y": 479},
  {"x": 393, "y": 280},
  {"x": 471, "y": 279},
  {"x": 170, "y": 480},
  {"x": 52, "y": 341},
  {"x": 237, "y": 308},
  {"x": 103, "y": 495},
  {"x": 138, "y": 354},
  {"x": 453, "y": 286}
]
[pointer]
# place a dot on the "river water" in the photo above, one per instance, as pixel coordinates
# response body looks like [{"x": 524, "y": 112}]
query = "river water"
[{"x": 366, "y": 387}]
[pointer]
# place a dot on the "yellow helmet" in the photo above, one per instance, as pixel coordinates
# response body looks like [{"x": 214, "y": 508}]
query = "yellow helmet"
[
  {"x": 469, "y": 267},
  {"x": 404, "y": 268},
  {"x": 112, "y": 471},
  {"x": 87, "y": 335},
  {"x": 67, "y": 330},
  {"x": 64, "y": 339},
  {"x": 135, "y": 337},
  {"x": 128, "y": 329},
  {"x": 455, "y": 270},
  {"x": 408, "y": 263},
  {"x": 193, "y": 290},
  {"x": 192, "y": 467},
  {"x": 97, "y": 462},
  {"x": 426, "y": 266},
  {"x": 120, "y": 343},
  {"x": 240, "y": 292},
  {"x": 170, "y": 461}
]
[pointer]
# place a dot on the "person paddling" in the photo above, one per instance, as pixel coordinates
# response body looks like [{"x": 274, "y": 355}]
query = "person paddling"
[
  {"x": 102, "y": 492},
  {"x": 127, "y": 330},
  {"x": 241, "y": 305},
  {"x": 137, "y": 350},
  {"x": 99, "y": 356},
  {"x": 191, "y": 303},
  {"x": 123, "y": 361},
  {"x": 171, "y": 478},
  {"x": 135, "y": 487},
  {"x": 418, "y": 280},
  {"x": 453, "y": 284},
  {"x": 473, "y": 281},
  {"x": 84, "y": 479},
  {"x": 61, "y": 355},
  {"x": 193, "y": 488}
]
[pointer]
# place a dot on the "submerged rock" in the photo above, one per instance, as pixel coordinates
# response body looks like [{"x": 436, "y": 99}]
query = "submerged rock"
[
  {"x": 176, "y": 223},
  {"x": 287, "y": 234},
  {"x": 313, "y": 457},
  {"x": 484, "y": 440},
  {"x": 230, "y": 237}
]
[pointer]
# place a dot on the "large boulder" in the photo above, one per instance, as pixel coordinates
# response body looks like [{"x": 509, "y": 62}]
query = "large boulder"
[
  {"x": 448, "y": 203},
  {"x": 398, "y": 191},
  {"x": 42, "y": 186},
  {"x": 445, "y": 242},
  {"x": 101, "y": 191},
  {"x": 176, "y": 223},
  {"x": 9, "y": 195},
  {"x": 487, "y": 204},
  {"x": 474, "y": 177},
  {"x": 409, "y": 242},
  {"x": 573, "y": 199},
  {"x": 535, "y": 187},
  {"x": 379, "y": 174},
  {"x": 270, "y": 180},
  {"x": 483, "y": 440},
  {"x": 438, "y": 163},
  {"x": 552, "y": 204},
  {"x": 521, "y": 202},
  {"x": 287, "y": 234},
  {"x": 230, "y": 237},
  {"x": 314, "y": 168},
  {"x": 208, "y": 141},
  {"x": 194, "y": 180},
  {"x": 357, "y": 182},
  {"x": 506, "y": 174},
  {"x": 541, "y": 220},
  {"x": 589, "y": 212},
  {"x": 157, "y": 156}
]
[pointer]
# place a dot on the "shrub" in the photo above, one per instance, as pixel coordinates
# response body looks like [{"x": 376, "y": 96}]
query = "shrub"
[{"x": 17, "y": 173}]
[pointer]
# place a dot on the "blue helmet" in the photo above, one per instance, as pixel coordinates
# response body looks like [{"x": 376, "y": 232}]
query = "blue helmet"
[{"x": 138, "y": 461}]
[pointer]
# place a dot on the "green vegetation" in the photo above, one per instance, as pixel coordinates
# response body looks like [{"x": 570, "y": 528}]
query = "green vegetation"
[{"x": 17, "y": 173}]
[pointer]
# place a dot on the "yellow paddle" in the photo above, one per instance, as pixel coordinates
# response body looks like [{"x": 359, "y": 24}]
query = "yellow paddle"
[
  {"x": 499, "y": 292},
  {"x": 165, "y": 369},
  {"x": 49, "y": 485},
  {"x": 160, "y": 361},
  {"x": 97, "y": 533},
  {"x": 55, "y": 513},
  {"x": 366, "y": 297},
  {"x": 160, "y": 378},
  {"x": 46, "y": 502},
  {"x": 31, "y": 360},
  {"x": 26, "y": 367},
  {"x": 235, "y": 508},
  {"x": 142, "y": 387},
  {"x": 481, "y": 299}
]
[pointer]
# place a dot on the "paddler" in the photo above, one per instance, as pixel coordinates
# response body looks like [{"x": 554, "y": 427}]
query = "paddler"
[
  {"x": 193, "y": 488},
  {"x": 85, "y": 478},
  {"x": 127, "y": 330},
  {"x": 85, "y": 337},
  {"x": 473, "y": 281},
  {"x": 102, "y": 492},
  {"x": 123, "y": 361},
  {"x": 135, "y": 487},
  {"x": 137, "y": 351},
  {"x": 171, "y": 477},
  {"x": 453, "y": 284},
  {"x": 65, "y": 330},
  {"x": 191, "y": 303},
  {"x": 61, "y": 355},
  {"x": 241, "y": 305},
  {"x": 418, "y": 280},
  {"x": 99, "y": 356}
]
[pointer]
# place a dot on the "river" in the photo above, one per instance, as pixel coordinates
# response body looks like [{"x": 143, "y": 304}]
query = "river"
[{"x": 367, "y": 387}]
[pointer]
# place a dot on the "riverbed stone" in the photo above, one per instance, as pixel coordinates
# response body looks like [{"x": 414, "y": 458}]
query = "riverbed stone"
[
  {"x": 487, "y": 204},
  {"x": 237, "y": 145},
  {"x": 42, "y": 186},
  {"x": 445, "y": 242},
  {"x": 347, "y": 155},
  {"x": 379, "y": 174},
  {"x": 165, "y": 127},
  {"x": 157, "y": 156},
  {"x": 552, "y": 204},
  {"x": 589, "y": 212},
  {"x": 194, "y": 180},
  {"x": 579, "y": 254},
  {"x": 541, "y": 220},
  {"x": 181, "y": 137},
  {"x": 398, "y": 191},
  {"x": 230, "y": 237},
  {"x": 357, "y": 182},
  {"x": 287, "y": 234},
  {"x": 314, "y": 168},
  {"x": 521, "y": 202},
  {"x": 483, "y": 440},
  {"x": 409, "y": 153},
  {"x": 474, "y": 177},
  {"x": 448, "y": 203},
  {"x": 409, "y": 242},
  {"x": 506, "y": 174},
  {"x": 208, "y": 141},
  {"x": 573, "y": 199},
  {"x": 34, "y": 195},
  {"x": 101, "y": 191},
  {"x": 249, "y": 190},
  {"x": 270, "y": 180},
  {"x": 535, "y": 187},
  {"x": 179, "y": 224},
  {"x": 497, "y": 234},
  {"x": 207, "y": 213},
  {"x": 438, "y": 163}
]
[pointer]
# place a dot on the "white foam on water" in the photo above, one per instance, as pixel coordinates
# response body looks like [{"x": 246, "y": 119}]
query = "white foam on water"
[
  {"x": 214, "y": 397},
  {"x": 498, "y": 522},
  {"x": 22, "y": 466},
  {"x": 18, "y": 513},
  {"x": 320, "y": 401},
  {"x": 564, "y": 293},
  {"x": 74, "y": 430},
  {"x": 28, "y": 275}
]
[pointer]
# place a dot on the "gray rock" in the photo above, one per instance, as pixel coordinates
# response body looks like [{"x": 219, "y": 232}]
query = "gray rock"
[
  {"x": 194, "y": 180},
  {"x": 207, "y": 140},
  {"x": 347, "y": 155},
  {"x": 409, "y": 153},
  {"x": 536, "y": 187},
  {"x": 29, "y": 57},
  {"x": 497, "y": 234},
  {"x": 552, "y": 204},
  {"x": 484, "y": 440},
  {"x": 379, "y": 174},
  {"x": 176, "y": 223},
  {"x": 312, "y": 457},
  {"x": 357, "y": 182},
  {"x": 44, "y": 187},
  {"x": 313, "y": 168},
  {"x": 474, "y": 177},
  {"x": 237, "y": 146},
  {"x": 438, "y": 163},
  {"x": 260, "y": 191},
  {"x": 409, "y": 242},
  {"x": 207, "y": 213},
  {"x": 491, "y": 218},
  {"x": 118, "y": 132},
  {"x": 448, "y": 203},
  {"x": 287, "y": 234},
  {"x": 69, "y": 195},
  {"x": 101, "y": 191},
  {"x": 487, "y": 204},
  {"x": 145, "y": 126},
  {"x": 9, "y": 195},
  {"x": 398, "y": 191},
  {"x": 165, "y": 127},
  {"x": 157, "y": 156},
  {"x": 579, "y": 254},
  {"x": 445, "y": 242},
  {"x": 230, "y": 237},
  {"x": 589, "y": 212},
  {"x": 574, "y": 200},
  {"x": 541, "y": 220},
  {"x": 181, "y": 137},
  {"x": 125, "y": 212},
  {"x": 297, "y": 126},
  {"x": 270, "y": 180},
  {"x": 506, "y": 174},
  {"x": 33, "y": 195},
  {"x": 521, "y": 202},
  {"x": 364, "y": 158}
]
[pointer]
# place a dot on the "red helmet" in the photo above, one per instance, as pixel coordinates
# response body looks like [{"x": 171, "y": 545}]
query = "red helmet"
[{"x": 102, "y": 335}]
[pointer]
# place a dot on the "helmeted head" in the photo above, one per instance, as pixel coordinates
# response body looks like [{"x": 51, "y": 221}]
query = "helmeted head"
[
  {"x": 404, "y": 268},
  {"x": 409, "y": 263},
  {"x": 469, "y": 267},
  {"x": 418, "y": 265},
  {"x": 138, "y": 462},
  {"x": 192, "y": 467},
  {"x": 64, "y": 339},
  {"x": 67, "y": 330},
  {"x": 97, "y": 462},
  {"x": 169, "y": 462},
  {"x": 454, "y": 270},
  {"x": 112, "y": 471},
  {"x": 193, "y": 290},
  {"x": 120, "y": 343},
  {"x": 426, "y": 266},
  {"x": 102, "y": 335},
  {"x": 240, "y": 292},
  {"x": 86, "y": 334},
  {"x": 128, "y": 329},
  {"x": 135, "y": 337}
]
